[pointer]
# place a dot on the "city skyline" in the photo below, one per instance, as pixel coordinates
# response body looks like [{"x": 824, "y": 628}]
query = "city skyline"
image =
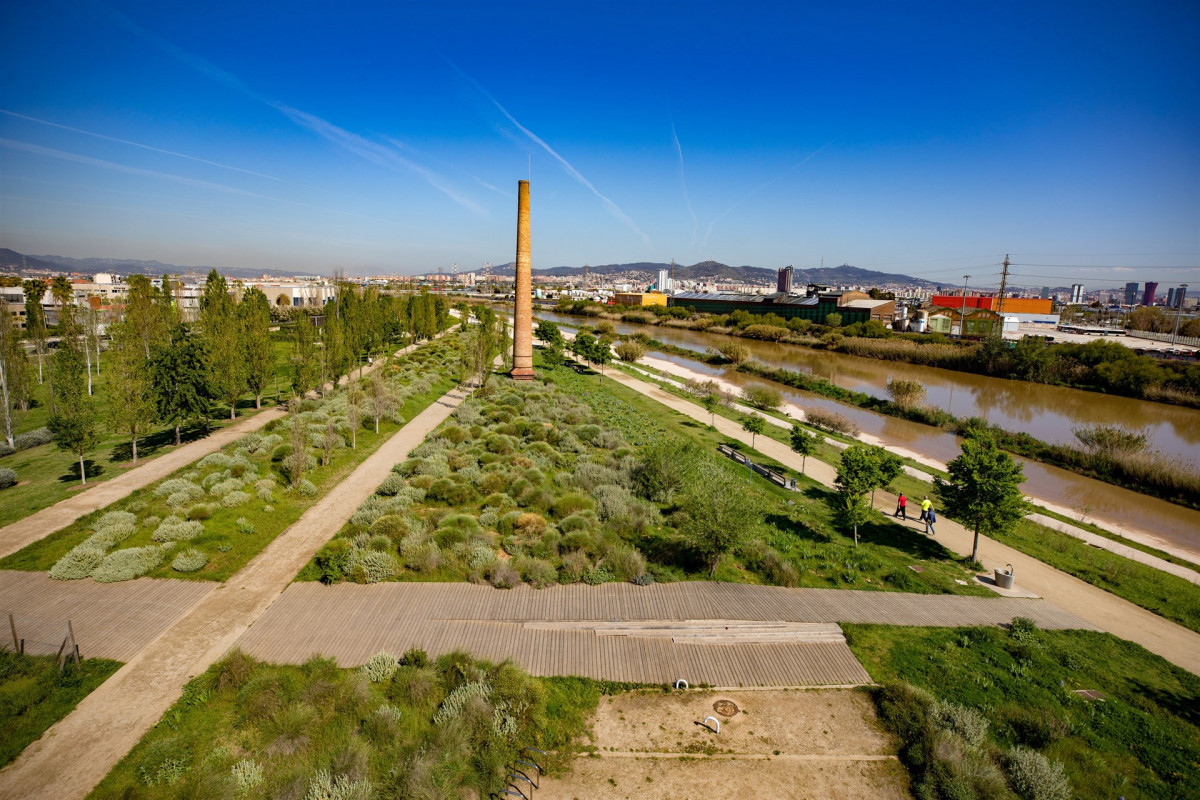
[{"x": 928, "y": 141}]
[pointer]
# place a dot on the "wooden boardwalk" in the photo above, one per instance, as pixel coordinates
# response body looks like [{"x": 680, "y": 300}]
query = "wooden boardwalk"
[
  {"x": 352, "y": 623},
  {"x": 111, "y": 620}
]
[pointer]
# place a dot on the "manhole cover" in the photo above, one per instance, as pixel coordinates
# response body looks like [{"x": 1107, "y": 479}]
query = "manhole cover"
[{"x": 726, "y": 708}]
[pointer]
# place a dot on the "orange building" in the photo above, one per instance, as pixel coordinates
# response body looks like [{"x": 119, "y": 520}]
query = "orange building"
[{"x": 1013, "y": 305}]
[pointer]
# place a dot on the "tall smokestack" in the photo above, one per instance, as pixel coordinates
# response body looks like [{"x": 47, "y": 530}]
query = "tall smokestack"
[{"x": 522, "y": 369}]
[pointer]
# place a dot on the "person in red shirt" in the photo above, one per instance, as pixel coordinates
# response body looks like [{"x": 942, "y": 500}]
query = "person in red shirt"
[{"x": 901, "y": 507}]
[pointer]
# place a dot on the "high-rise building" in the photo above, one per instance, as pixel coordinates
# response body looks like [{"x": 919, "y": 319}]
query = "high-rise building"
[
  {"x": 664, "y": 281},
  {"x": 1131, "y": 293},
  {"x": 784, "y": 280},
  {"x": 1076, "y": 293},
  {"x": 1045, "y": 295},
  {"x": 1175, "y": 297},
  {"x": 1148, "y": 295}
]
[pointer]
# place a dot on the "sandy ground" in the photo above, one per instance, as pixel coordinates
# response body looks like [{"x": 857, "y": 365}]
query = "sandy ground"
[
  {"x": 1119, "y": 617},
  {"x": 780, "y": 744},
  {"x": 113, "y": 718}
]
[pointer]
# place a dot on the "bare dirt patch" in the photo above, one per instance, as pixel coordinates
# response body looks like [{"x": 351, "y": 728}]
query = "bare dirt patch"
[{"x": 821, "y": 743}]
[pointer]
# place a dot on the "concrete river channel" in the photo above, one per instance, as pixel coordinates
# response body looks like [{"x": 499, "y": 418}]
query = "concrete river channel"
[{"x": 1046, "y": 412}]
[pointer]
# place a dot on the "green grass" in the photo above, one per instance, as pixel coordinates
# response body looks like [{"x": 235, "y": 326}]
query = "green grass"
[
  {"x": 1142, "y": 741},
  {"x": 294, "y": 721},
  {"x": 34, "y": 695},
  {"x": 228, "y": 548}
]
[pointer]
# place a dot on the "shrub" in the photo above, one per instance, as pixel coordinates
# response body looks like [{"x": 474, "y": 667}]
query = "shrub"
[
  {"x": 189, "y": 560},
  {"x": 199, "y": 512},
  {"x": 373, "y": 566},
  {"x": 332, "y": 560},
  {"x": 423, "y": 557},
  {"x": 529, "y": 524},
  {"x": 177, "y": 486},
  {"x": 281, "y": 452},
  {"x": 127, "y": 564},
  {"x": 78, "y": 563},
  {"x": 8, "y": 477},
  {"x": 218, "y": 459},
  {"x": 1035, "y": 777},
  {"x": 35, "y": 438},
  {"x": 324, "y": 786},
  {"x": 174, "y": 529},
  {"x": 831, "y": 421},
  {"x": 504, "y": 576},
  {"x": 415, "y": 657},
  {"x": 570, "y": 503},
  {"x": 116, "y": 526},
  {"x": 612, "y": 501},
  {"x": 245, "y": 526},
  {"x": 306, "y": 488},
  {"x": 151, "y": 521},
  {"x": 734, "y": 352},
  {"x": 224, "y": 487},
  {"x": 767, "y": 398},
  {"x": 598, "y": 575},
  {"x": 379, "y": 667},
  {"x": 576, "y": 523},
  {"x": 234, "y": 499},
  {"x": 391, "y": 485},
  {"x": 625, "y": 562},
  {"x": 393, "y": 526},
  {"x": 246, "y": 774},
  {"x": 663, "y": 468},
  {"x": 965, "y": 722},
  {"x": 536, "y": 571}
]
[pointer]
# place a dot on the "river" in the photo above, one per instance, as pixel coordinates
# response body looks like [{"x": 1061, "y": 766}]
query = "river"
[{"x": 1047, "y": 412}]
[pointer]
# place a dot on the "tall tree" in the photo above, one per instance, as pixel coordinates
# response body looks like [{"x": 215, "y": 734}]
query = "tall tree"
[
  {"x": 131, "y": 402},
  {"x": 142, "y": 313},
  {"x": 803, "y": 444},
  {"x": 255, "y": 313},
  {"x": 35, "y": 320},
  {"x": 14, "y": 374},
  {"x": 381, "y": 399},
  {"x": 354, "y": 412},
  {"x": 333, "y": 350},
  {"x": 223, "y": 334},
  {"x": 888, "y": 466},
  {"x": 857, "y": 474},
  {"x": 304, "y": 356},
  {"x": 64, "y": 297},
  {"x": 73, "y": 423},
  {"x": 720, "y": 513},
  {"x": 984, "y": 490},
  {"x": 179, "y": 374}
]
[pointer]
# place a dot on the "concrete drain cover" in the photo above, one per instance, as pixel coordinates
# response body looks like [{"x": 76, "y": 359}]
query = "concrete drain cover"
[{"x": 726, "y": 708}]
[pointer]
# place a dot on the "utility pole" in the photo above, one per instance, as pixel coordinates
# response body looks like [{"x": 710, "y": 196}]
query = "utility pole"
[
  {"x": 1003, "y": 288},
  {"x": 962, "y": 321},
  {"x": 1178, "y": 310}
]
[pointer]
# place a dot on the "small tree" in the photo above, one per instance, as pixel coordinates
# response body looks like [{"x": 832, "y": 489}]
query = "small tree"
[
  {"x": 354, "y": 413},
  {"x": 630, "y": 352},
  {"x": 833, "y": 320},
  {"x": 734, "y": 352},
  {"x": 602, "y": 353},
  {"x": 761, "y": 396},
  {"x": 753, "y": 424},
  {"x": 721, "y": 515},
  {"x": 304, "y": 356},
  {"x": 583, "y": 346},
  {"x": 329, "y": 441},
  {"x": 857, "y": 474},
  {"x": 889, "y": 467},
  {"x": 131, "y": 406},
  {"x": 548, "y": 333},
  {"x": 382, "y": 401},
  {"x": 804, "y": 444},
  {"x": 255, "y": 313},
  {"x": 295, "y": 463},
  {"x": 74, "y": 422},
  {"x": 905, "y": 393},
  {"x": 711, "y": 402},
  {"x": 984, "y": 488}
]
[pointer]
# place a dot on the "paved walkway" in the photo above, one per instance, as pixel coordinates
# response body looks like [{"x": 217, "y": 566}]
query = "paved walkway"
[
  {"x": 618, "y": 631},
  {"x": 1173, "y": 642},
  {"x": 111, "y": 720}
]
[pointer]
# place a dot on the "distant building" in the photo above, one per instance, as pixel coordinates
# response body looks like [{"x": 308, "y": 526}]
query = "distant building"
[
  {"x": 1045, "y": 295},
  {"x": 664, "y": 281},
  {"x": 784, "y": 280},
  {"x": 1148, "y": 296},
  {"x": 640, "y": 298},
  {"x": 815, "y": 305},
  {"x": 1076, "y": 293},
  {"x": 1011, "y": 305},
  {"x": 1175, "y": 297},
  {"x": 1131, "y": 293}
]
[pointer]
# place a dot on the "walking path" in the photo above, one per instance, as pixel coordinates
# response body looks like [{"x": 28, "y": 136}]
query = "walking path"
[
  {"x": 618, "y": 631},
  {"x": 1111, "y": 613},
  {"x": 53, "y": 518},
  {"x": 77, "y": 752}
]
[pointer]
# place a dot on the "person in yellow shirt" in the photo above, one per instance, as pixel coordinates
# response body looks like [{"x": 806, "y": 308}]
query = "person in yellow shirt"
[{"x": 926, "y": 504}]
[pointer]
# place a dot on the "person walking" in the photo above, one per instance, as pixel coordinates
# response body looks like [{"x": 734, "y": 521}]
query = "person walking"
[
  {"x": 930, "y": 518},
  {"x": 901, "y": 507},
  {"x": 926, "y": 504}
]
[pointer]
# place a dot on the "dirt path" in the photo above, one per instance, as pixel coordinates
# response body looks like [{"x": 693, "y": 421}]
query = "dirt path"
[
  {"x": 1173, "y": 642},
  {"x": 787, "y": 744},
  {"x": 111, "y": 720}
]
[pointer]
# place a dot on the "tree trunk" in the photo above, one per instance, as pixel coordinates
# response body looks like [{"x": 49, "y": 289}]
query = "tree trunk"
[
  {"x": 975, "y": 547},
  {"x": 233, "y": 410},
  {"x": 82, "y": 472},
  {"x": 134, "y": 442},
  {"x": 176, "y": 435},
  {"x": 87, "y": 352},
  {"x": 258, "y": 401},
  {"x": 8, "y": 431},
  {"x": 803, "y": 464},
  {"x": 856, "y": 534},
  {"x": 377, "y": 424}
]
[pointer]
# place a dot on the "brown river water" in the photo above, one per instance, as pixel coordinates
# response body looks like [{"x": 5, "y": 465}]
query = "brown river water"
[{"x": 1046, "y": 412}]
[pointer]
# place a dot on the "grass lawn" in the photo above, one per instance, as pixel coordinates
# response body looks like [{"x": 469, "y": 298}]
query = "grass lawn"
[
  {"x": 34, "y": 695},
  {"x": 1140, "y": 741},
  {"x": 448, "y": 728},
  {"x": 233, "y": 534}
]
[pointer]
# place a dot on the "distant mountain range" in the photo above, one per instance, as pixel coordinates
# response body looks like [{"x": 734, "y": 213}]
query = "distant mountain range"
[
  {"x": 715, "y": 271},
  {"x": 12, "y": 260}
]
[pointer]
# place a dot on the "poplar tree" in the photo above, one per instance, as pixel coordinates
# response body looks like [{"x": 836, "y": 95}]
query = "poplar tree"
[
  {"x": 333, "y": 339},
  {"x": 35, "y": 320},
  {"x": 14, "y": 374},
  {"x": 222, "y": 331},
  {"x": 381, "y": 399},
  {"x": 179, "y": 375},
  {"x": 141, "y": 313},
  {"x": 255, "y": 313},
  {"x": 304, "y": 356},
  {"x": 131, "y": 401},
  {"x": 73, "y": 423}
]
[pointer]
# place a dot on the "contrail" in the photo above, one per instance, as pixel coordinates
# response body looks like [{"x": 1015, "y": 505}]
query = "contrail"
[
  {"x": 349, "y": 141},
  {"x": 759, "y": 188},
  {"x": 63, "y": 155},
  {"x": 683, "y": 180},
  {"x": 574, "y": 173},
  {"x": 139, "y": 144}
]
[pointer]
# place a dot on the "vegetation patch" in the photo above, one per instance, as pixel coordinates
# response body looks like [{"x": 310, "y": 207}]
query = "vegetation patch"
[{"x": 451, "y": 727}]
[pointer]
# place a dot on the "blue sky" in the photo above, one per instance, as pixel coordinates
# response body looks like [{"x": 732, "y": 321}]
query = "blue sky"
[{"x": 927, "y": 138}]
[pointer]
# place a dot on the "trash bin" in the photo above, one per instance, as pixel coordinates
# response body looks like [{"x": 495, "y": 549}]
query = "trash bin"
[{"x": 1004, "y": 578}]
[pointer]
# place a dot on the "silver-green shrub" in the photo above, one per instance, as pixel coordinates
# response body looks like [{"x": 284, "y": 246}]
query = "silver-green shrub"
[
  {"x": 247, "y": 774},
  {"x": 189, "y": 560},
  {"x": 966, "y": 722},
  {"x": 306, "y": 488},
  {"x": 457, "y": 700},
  {"x": 151, "y": 521},
  {"x": 380, "y": 667},
  {"x": 245, "y": 526},
  {"x": 174, "y": 529},
  {"x": 79, "y": 563},
  {"x": 375, "y": 566},
  {"x": 127, "y": 564},
  {"x": 1035, "y": 777},
  {"x": 323, "y": 786},
  {"x": 234, "y": 499},
  {"x": 392, "y": 485},
  {"x": 217, "y": 459},
  {"x": 169, "y": 487},
  {"x": 225, "y": 487},
  {"x": 389, "y": 713},
  {"x": 480, "y": 556}
]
